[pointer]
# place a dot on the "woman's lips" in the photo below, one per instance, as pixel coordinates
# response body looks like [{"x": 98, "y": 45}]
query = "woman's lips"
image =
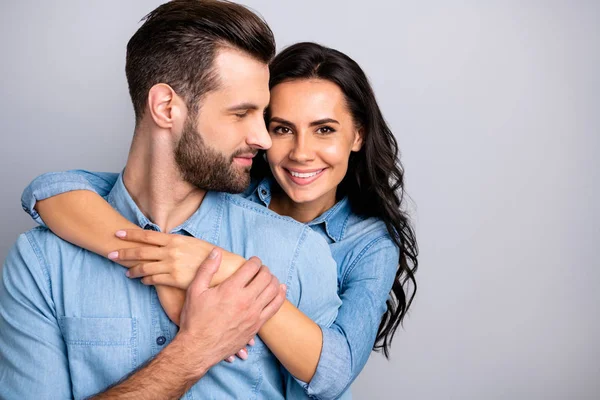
[{"x": 303, "y": 178}]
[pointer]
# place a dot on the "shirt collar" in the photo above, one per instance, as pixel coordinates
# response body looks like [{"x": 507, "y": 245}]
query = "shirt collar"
[
  {"x": 335, "y": 219},
  {"x": 122, "y": 201}
]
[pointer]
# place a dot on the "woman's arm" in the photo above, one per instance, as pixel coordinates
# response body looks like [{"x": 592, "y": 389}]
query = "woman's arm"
[{"x": 347, "y": 344}]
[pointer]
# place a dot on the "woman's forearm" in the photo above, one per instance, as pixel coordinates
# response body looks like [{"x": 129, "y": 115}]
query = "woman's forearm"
[
  {"x": 85, "y": 219},
  {"x": 295, "y": 340}
]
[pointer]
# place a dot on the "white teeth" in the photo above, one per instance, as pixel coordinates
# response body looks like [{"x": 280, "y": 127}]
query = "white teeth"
[{"x": 306, "y": 175}]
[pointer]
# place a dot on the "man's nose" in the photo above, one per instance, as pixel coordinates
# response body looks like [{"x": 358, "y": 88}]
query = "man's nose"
[{"x": 259, "y": 137}]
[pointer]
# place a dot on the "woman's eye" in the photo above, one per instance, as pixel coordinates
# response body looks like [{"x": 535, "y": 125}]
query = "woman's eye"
[
  {"x": 281, "y": 130},
  {"x": 325, "y": 130}
]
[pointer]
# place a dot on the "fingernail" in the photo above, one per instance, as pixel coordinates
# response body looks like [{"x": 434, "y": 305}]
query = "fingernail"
[
  {"x": 243, "y": 354},
  {"x": 251, "y": 342},
  {"x": 230, "y": 359},
  {"x": 120, "y": 234},
  {"x": 114, "y": 255},
  {"x": 213, "y": 254},
  {"x": 283, "y": 287},
  {"x": 127, "y": 273}
]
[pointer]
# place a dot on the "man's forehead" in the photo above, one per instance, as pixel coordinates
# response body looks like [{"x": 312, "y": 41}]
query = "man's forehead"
[
  {"x": 241, "y": 80},
  {"x": 235, "y": 66}
]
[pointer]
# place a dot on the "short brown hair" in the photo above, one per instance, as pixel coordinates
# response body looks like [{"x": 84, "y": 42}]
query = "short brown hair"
[{"x": 178, "y": 42}]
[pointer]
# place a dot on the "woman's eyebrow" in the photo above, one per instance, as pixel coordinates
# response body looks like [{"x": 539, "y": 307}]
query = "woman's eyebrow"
[
  {"x": 283, "y": 121},
  {"x": 324, "y": 121}
]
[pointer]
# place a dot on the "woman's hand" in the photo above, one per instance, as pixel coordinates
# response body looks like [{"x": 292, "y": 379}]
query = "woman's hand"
[{"x": 170, "y": 260}]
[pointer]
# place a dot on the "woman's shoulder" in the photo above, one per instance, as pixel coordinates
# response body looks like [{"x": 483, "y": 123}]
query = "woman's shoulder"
[
  {"x": 366, "y": 248},
  {"x": 366, "y": 229}
]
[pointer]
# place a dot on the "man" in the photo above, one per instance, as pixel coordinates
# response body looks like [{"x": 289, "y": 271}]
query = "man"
[{"x": 72, "y": 324}]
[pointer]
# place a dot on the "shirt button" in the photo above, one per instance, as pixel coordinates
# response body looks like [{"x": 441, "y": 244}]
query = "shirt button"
[
  {"x": 161, "y": 340},
  {"x": 264, "y": 192}
]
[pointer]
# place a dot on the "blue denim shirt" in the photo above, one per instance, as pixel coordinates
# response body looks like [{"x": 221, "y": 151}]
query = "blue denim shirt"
[
  {"x": 366, "y": 260},
  {"x": 72, "y": 323}
]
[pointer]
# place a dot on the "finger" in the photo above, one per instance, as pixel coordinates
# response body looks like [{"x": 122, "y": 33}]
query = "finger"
[
  {"x": 206, "y": 271},
  {"x": 160, "y": 279},
  {"x": 274, "y": 306},
  {"x": 243, "y": 354},
  {"x": 144, "y": 236},
  {"x": 260, "y": 282},
  {"x": 245, "y": 273},
  {"x": 270, "y": 291},
  {"x": 230, "y": 359},
  {"x": 139, "y": 254},
  {"x": 251, "y": 342},
  {"x": 146, "y": 269}
]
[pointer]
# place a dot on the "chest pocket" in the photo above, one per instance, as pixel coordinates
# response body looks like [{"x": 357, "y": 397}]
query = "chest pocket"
[{"x": 101, "y": 351}]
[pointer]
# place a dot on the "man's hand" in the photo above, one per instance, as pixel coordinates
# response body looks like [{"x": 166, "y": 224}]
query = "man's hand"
[
  {"x": 215, "y": 323},
  {"x": 219, "y": 321}
]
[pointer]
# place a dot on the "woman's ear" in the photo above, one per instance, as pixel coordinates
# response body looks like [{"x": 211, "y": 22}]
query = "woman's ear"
[
  {"x": 358, "y": 139},
  {"x": 164, "y": 104}
]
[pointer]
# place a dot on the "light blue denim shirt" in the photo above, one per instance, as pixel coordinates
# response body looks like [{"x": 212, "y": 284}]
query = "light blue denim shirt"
[
  {"x": 72, "y": 323},
  {"x": 366, "y": 259}
]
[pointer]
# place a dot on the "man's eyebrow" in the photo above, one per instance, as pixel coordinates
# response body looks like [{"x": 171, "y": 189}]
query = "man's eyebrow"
[
  {"x": 324, "y": 121},
  {"x": 283, "y": 121},
  {"x": 243, "y": 107}
]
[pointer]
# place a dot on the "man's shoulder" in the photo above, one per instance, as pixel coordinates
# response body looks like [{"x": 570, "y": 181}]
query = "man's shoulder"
[
  {"x": 272, "y": 226},
  {"x": 40, "y": 246},
  {"x": 43, "y": 239},
  {"x": 259, "y": 212}
]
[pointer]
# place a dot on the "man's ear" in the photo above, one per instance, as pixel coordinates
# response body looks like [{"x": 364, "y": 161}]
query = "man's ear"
[
  {"x": 358, "y": 139},
  {"x": 164, "y": 105}
]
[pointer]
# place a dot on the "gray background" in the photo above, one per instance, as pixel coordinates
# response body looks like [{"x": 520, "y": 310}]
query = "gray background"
[{"x": 496, "y": 108}]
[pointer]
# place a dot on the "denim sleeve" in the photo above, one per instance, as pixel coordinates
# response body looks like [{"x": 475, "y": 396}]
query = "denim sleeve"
[
  {"x": 348, "y": 342},
  {"x": 55, "y": 183},
  {"x": 33, "y": 355}
]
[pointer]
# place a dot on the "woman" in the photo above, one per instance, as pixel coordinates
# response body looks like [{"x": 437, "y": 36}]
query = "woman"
[{"x": 332, "y": 165}]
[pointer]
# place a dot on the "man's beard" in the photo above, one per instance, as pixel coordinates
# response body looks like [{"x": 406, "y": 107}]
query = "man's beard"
[{"x": 206, "y": 168}]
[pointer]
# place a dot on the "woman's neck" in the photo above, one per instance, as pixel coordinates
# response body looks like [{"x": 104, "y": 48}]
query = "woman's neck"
[{"x": 301, "y": 212}]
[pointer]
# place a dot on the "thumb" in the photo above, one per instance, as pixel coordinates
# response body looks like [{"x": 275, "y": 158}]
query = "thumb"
[{"x": 206, "y": 271}]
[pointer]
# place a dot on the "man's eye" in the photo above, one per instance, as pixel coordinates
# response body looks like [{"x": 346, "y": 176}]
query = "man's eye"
[{"x": 242, "y": 115}]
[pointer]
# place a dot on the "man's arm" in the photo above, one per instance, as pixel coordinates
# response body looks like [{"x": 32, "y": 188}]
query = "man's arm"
[
  {"x": 215, "y": 323},
  {"x": 33, "y": 354}
]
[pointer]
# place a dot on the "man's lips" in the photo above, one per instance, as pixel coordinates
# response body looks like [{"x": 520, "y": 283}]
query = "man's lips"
[{"x": 244, "y": 159}]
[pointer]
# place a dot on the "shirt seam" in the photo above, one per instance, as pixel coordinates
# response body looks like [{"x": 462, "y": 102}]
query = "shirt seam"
[
  {"x": 360, "y": 255},
  {"x": 42, "y": 263},
  {"x": 292, "y": 269}
]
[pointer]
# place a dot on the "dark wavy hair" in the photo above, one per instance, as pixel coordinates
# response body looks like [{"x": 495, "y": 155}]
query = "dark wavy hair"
[{"x": 374, "y": 182}]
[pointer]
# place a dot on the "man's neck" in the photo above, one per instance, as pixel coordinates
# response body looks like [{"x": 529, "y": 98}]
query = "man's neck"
[{"x": 154, "y": 182}]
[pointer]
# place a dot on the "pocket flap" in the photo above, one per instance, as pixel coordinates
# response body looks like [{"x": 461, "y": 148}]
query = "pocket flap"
[{"x": 97, "y": 331}]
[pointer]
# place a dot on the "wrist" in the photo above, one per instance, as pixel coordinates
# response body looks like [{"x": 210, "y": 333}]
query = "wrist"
[{"x": 196, "y": 361}]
